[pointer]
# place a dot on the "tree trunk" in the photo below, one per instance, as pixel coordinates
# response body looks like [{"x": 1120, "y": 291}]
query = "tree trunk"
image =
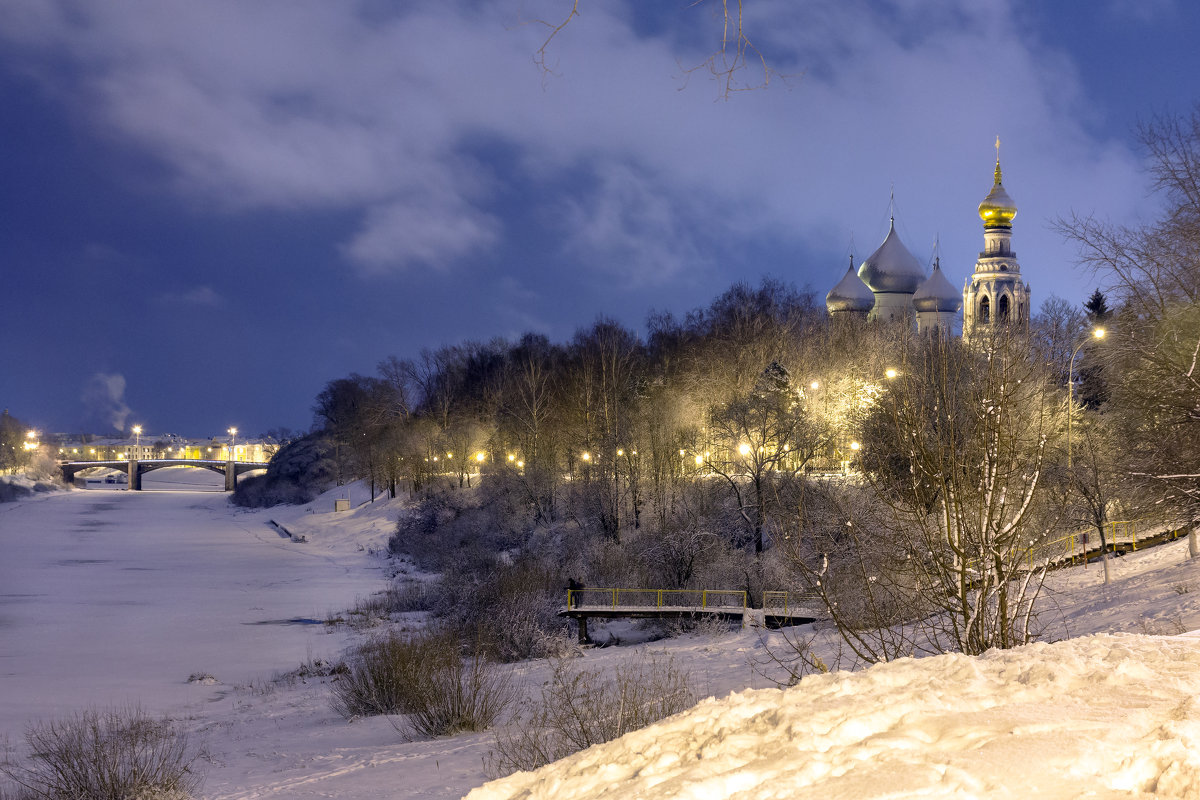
[{"x": 1104, "y": 556}]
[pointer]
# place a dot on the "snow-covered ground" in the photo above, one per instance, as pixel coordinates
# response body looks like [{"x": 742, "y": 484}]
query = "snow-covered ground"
[{"x": 111, "y": 597}]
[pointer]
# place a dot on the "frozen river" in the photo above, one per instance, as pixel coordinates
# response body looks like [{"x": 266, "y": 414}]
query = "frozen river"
[{"x": 116, "y": 597}]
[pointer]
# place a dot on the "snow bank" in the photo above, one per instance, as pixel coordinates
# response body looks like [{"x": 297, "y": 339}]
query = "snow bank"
[{"x": 1102, "y": 716}]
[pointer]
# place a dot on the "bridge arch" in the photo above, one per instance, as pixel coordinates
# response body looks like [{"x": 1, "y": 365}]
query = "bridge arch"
[{"x": 136, "y": 469}]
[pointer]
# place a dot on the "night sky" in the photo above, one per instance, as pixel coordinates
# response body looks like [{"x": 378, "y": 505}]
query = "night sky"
[{"x": 210, "y": 209}]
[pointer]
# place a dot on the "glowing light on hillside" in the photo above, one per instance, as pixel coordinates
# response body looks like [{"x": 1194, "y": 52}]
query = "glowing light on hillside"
[
  {"x": 480, "y": 457},
  {"x": 855, "y": 446},
  {"x": 511, "y": 457},
  {"x": 586, "y": 456},
  {"x": 891, "y": 373},
  {"x": 744, "y": 449},
  {"x": 699, "y": 461}
]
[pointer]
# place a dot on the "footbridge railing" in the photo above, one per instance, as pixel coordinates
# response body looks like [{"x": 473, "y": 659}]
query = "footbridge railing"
[
  {"x": 616, "y": 598},
  {"x": 1118, "y": 536}
]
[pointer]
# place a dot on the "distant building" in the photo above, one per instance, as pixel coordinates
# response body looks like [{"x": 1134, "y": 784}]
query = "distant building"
[
  {"x": 891, "y": 284},
  {"x": 995, "y": 295},
  {"x": 152, "y": 446}
]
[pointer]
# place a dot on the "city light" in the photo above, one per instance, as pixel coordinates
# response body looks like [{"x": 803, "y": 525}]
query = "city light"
[
  {"x": 586, "y": 456},
  {"x": 744, "y": 449},
  {"x": 699, "y": 461},
  {"x": 891, "y": 373},
  {"x": 480, "y": 457},
  {"x": 855, "y": 446}
]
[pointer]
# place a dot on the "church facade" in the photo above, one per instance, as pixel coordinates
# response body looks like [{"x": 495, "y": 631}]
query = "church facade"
[{"x": 891, "y": 284}]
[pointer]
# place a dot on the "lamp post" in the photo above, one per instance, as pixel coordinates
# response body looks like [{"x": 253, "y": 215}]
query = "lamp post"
[
  {"x": 233, "y": 444},
  {"x": 137, "y": 441},
  {"x": 1097, "y": 333}
]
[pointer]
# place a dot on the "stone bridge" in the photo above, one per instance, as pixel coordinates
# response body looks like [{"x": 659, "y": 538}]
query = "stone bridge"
[{"x": 136, "y": 469}]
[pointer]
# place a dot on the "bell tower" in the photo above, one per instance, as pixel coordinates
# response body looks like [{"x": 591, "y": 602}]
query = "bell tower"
[{"x": 995, "y": 296}]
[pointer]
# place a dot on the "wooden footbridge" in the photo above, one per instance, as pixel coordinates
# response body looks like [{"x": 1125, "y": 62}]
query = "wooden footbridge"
[{"x": 779, "y": 608}]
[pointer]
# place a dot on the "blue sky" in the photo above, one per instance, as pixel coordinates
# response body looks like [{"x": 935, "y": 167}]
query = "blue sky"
[{"x": 209, "y": 210}]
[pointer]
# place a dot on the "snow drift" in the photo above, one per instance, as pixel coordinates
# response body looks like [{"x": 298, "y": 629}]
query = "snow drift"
[{"x": 1101, "y": 716}]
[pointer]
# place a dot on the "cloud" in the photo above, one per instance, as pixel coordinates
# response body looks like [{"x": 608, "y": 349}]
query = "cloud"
[
  {"x": 104, "y": 401},
  {"x": 198, "y": 296},
  {"x": 419, "y": 120},
  {"x": 630, "y": 228},
  {"x": 414, "y": 234}
]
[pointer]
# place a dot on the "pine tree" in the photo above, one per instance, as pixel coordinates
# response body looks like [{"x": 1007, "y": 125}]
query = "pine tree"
[{"x": 1097, "y": 307}]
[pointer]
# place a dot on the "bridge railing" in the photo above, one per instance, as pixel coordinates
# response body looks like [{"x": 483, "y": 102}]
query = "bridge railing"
[
  {"x": 1078, "y": 543},
  {"x": 615, "y": 597},
  {"x": 784, "y": 602}
]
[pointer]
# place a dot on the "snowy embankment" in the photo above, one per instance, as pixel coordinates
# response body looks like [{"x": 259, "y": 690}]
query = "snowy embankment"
[{"x": 1100, "y": 716}]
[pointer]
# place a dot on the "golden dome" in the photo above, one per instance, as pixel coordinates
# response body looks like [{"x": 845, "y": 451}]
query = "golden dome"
[{"x": 997, "y": 209}]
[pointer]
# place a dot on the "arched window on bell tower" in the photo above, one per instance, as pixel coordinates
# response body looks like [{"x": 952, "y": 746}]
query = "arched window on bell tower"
[
  {"x": 985, "y": 308},
  {"x": 1002, "y": 309}
]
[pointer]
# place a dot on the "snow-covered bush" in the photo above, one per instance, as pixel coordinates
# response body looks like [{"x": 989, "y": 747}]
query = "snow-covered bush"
[
  {"x": 104, "y": 754},
  {"x": 581, "y": 707},
  {"x": 427, "y": 679}
]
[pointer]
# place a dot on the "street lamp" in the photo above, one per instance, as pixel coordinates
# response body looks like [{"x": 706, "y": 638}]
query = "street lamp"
[
  {"x": 1097, "y": 333},
  {"x": 232, "y": 444},
  {"x": 137, "y": 441}
]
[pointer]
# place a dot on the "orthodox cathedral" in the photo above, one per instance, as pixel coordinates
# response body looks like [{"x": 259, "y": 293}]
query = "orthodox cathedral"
[{"x": 891, "y": 284}]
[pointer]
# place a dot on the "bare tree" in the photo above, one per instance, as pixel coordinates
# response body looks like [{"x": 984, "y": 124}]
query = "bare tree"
[
  {"x": 735, "y": 55},
  {"x": 758, "y": 439},
  {"x": 1151, "y": 357},
  {"x": 952, "y": 565}
]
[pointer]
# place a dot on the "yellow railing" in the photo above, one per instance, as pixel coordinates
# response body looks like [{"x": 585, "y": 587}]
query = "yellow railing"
[
  {"x": 786, "y": 601},
  {"x": 1081, "y": 542},
  {"x": 656, "y": 598}
]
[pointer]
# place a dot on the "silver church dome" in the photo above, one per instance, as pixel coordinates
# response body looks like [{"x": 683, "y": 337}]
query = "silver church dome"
[
  {"x": 850, "y": 294},
  {"x": 937, "y": 294},
  {"x": 892, "y": 268}
]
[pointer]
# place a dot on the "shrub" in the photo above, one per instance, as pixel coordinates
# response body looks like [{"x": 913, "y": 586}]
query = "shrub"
[
  {"x": 425, "y": 678},
  {"x": 580, "y": 707},
  {"x": 103, "y": 755},
  {"x": 521, "y": 598}
]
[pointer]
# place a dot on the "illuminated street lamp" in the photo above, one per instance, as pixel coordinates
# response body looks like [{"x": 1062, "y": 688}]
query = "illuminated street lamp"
[
  {"x": 1097, "y": 333},
  {"x": 137, "y": 440},
  {"x": 891, "y": 373},
  {"x": 232, "y": 443}
]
